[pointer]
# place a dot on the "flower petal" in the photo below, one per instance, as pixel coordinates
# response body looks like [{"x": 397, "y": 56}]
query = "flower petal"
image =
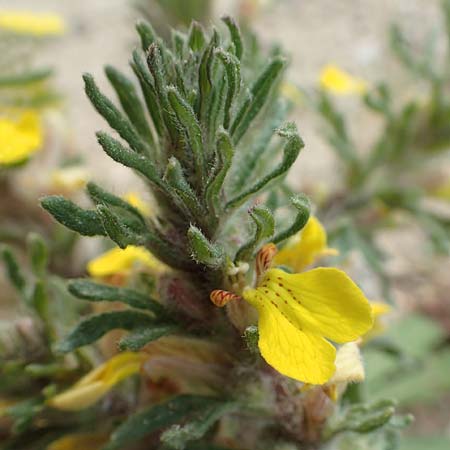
[
  {"x": 324, "y": 301},
  {"x": 118, "y": 261},
  {"x": 335, "y": 80},
  {"x": 305, "y": 248},
  {"x": 297, "y": 354}
]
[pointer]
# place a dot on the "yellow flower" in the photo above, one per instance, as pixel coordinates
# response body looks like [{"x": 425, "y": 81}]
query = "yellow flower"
[
  {"x": 339, "y": 82},
  {"x": 23, "y": 22},
  {"x": 21, "y": 135},
  {"x": 138, "y": 203},
  {"x": 93, "y": 386},
  {"x": 305, "y": 248},
  {"x": 297, "y": 313},
  {"x": 120, "y": 261},
  {"x": 77, "y": 441}
]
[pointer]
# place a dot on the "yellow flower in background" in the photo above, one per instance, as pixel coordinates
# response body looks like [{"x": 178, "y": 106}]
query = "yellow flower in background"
[
  {"x": 93, "y": 386},
  {"x": 24, "y": 22},
  {"x": 337, "y": 81},
  {"x": 78, "y": 441},
  {"x": 133, "y": 199},
  {"x": 305, "y": 248},
  {"x": 121, "y": 261},
  {"x": 21, "y": 135}
]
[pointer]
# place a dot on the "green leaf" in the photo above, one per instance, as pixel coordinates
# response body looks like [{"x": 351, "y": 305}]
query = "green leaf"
[
  {"x": 264, "y": 229},
  {"x": 84, "y": 222},
  {"x": 135, "y": 340},
  {"x": 233, "y": 74},
  {"x": 117, "y": 230},
  {"x": 155, "y": 64},
  {"x": 146, "y": 33},
  {"x": 290, "y": 152},
  {"x": 22, "y": 79},
  {"x": 113, "y": 116},
  {"x": 13, "y": 270},
  {"x": 177, "y": 436},
  {"x": 196, "y": 38},
  {"x": 156, "y": 417},
  {"x": 256, "y": 98},
  {"x": 96, "y": 292},
  {"x": 100, "y": 196},
  {"x": 235, "y": 35},
  {"x": 175, "y": 178},
  {"x": 303, "y": 206},
  {"x": 361, "y": 418},
  {"x": 38, "y": 254},
  {"x": 205, "y": 79},
  {"x": 94, "y": 327},
  {"x": 148, "y": 90},
  {"x": 225, "y": 152},
  {"x": 115, "y": 150},
  {"x": 203, "y": 251},
  {"x": 131, "y": 104},
  {"x": 186, "y": 117},
  {"x": 430, "y": 442}
]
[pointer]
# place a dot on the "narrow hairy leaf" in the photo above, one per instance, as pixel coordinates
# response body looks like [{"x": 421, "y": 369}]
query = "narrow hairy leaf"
[
  {"x": 264, "y": 228},
  {"x": 100, "y": 196},
  {"x": 233, "y": 73},
  {"x": 175, "y": 178},
  {"x": 146, "y": 33},
  {"x": 225, "y": 152},
  {"x": 156, "y": 417},
  {"x": 203, "y": 251},
  {"x": 235, "y": 35},
  {"x": 13, "y": 270},
  {"x": 131, "y": 104},
  {"x": 256, "y": 98},
  {"x": 122, "y": 155},
  {"x": 155, "y": 64},
  {"x": 186, "y": 117},
  {"x": 96, "y": 292},
  {"x": 290, "y": 152},
  {"x": 177, "y": 436},
  {"x": 303, "y": 206},
  {"x": 84, "y": 222},
  {"x": 113, "y": 116},
  {"x": 94, "y": 327},
  {"x": 148, "y": 90},
  {"x": 135, "y": 340},
  {"x": 196, "y": 38},
  {"x": 38, "y": 254}
]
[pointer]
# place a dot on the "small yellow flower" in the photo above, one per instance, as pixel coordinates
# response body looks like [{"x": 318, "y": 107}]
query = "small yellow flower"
[
  {"x": 305, "y": 248},
  {"x": 77, "y": 441},
  {"x": 23, "y": 22},
  {"x": 121, "y": 261},
  {"x": 298, "y": 313},
  {"x": 337, "y": 81},
  {"x": 21, "y": 135},
  {"x": 136, "y": 201},
  {"x": 93, "y": 386}
]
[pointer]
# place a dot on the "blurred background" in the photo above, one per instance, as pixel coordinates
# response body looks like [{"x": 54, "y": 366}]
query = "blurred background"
[{"x": 403, "y": 262}]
